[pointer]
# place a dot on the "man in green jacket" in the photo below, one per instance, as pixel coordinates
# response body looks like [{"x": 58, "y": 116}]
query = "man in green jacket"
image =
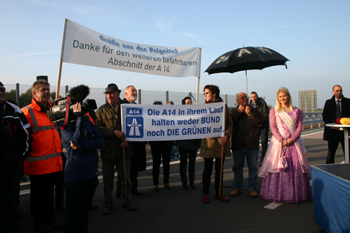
[{"x": 108, "y": 122}]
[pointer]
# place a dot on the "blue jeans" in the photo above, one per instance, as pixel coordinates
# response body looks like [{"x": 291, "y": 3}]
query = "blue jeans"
[
  {"x": 175, "y": 152},
  {"x": 238, "y": 159}
]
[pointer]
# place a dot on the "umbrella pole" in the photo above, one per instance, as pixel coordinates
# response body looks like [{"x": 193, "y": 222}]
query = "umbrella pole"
[
  {"x": 221, "y": 169},
  {"x": 246, "y": 81}
]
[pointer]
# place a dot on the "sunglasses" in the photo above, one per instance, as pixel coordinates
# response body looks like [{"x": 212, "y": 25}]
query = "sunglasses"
[{"x": 2, "y": 89}]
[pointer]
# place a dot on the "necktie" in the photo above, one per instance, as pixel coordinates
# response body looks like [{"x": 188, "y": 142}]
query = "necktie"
[{"x": 338, "y": 114}]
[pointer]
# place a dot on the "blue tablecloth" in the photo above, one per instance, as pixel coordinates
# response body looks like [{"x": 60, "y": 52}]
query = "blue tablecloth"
[{"x": 331, "y": 195}]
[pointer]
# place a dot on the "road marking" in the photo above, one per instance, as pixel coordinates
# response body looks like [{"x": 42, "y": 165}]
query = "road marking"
[
  {"x": 26, "y": 191},
  {"x": 312, "y": 133},
  {"x": 272, "y": 205}
]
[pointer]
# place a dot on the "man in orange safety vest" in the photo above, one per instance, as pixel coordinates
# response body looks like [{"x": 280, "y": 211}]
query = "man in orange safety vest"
[{"x": 44, "y": 163}]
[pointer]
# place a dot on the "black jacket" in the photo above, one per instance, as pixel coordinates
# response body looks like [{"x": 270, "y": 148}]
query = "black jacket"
[
  {"x": 15, "y": 136},
  {"x": 191, "y": 144},
  {"x": 138, "y": 160},
  {"x": 329, "y": 112},
  {"x": 244, "y": 133},
  {"x": 263, "y": 109}
]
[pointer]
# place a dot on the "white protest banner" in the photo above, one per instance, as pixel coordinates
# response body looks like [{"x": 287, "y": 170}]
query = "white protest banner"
[
  {"x": 84, "y": 46},
  {"x": 172, "y": 122}
]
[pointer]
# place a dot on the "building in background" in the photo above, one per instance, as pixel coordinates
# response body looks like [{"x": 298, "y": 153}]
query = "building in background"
[{"x": 308, "y": 100}]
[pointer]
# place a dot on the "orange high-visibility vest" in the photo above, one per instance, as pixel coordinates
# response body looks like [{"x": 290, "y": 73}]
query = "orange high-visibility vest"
[{"x": 46, "y": 155}]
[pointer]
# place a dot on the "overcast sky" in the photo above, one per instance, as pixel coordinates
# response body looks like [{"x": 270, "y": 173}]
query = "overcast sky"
[{"x": 313, "y": 35}]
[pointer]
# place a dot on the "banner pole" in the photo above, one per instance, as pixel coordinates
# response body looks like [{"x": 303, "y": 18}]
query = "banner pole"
[
  {"x": 122, "y": 120},
  {"x": 199, "y": 71},
  {"x": 61, "y": 60},
  {"x": 246, "y": 82},
  {"x": 221, "y": 169}
]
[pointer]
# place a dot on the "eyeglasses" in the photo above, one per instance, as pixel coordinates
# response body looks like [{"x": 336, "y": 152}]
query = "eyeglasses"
[
  {"x": 206, "y": 93},
  {"x": 243, "y": 97},
  {"x": 43, "y": 90},
  {"x": 2, "y": 89}
]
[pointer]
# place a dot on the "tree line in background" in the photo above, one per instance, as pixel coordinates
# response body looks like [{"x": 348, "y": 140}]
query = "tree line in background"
[{"x": 25, "y": 98}]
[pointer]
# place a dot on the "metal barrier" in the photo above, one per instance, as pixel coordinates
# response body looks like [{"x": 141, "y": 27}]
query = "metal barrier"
[
  {"x": 312, "y": 118},
  {"x": 144, "y": 96},
  {"x": 148, "y": 97}
]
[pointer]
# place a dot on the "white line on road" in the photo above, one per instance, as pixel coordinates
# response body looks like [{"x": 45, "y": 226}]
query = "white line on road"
[
  {"x": 312, "y": 133},
  {"x": 272, "y": 205}
]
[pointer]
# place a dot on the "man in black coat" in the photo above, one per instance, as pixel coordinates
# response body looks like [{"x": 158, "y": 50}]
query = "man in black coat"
[
  {"x": 334, "y": 136},
  {"x": 260, "y": 104},
  {"x": 15, "y": 138},
  {"x": 138, "y": 160}
]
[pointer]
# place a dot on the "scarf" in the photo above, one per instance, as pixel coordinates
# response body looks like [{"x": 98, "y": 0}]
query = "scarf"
[{"x": 215, "y": 101}]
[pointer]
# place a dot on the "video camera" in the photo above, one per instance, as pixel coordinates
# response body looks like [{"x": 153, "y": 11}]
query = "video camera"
[{"x": 58, "y": 112}]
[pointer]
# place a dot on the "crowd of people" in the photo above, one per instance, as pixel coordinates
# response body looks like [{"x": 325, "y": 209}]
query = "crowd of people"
[{"x": 33, "y": 141}]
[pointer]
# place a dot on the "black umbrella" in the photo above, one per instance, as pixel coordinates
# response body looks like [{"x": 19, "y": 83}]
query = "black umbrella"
[{"x": 246, "y": 58}]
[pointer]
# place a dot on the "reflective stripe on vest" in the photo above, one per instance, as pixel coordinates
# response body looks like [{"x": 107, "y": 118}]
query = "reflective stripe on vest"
[
  {"x": 44, "y": 157},
  {"x": 36, "y": 127}
]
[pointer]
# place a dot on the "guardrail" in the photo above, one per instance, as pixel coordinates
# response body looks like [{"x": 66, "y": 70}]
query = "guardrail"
[{"x": 312, "y": 118}]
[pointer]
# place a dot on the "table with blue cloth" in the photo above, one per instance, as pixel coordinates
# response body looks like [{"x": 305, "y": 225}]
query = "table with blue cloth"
[{"x": 331, "y": 196}]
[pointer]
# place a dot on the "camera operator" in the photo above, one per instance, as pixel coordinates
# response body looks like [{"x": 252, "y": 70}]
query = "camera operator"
[
  {"x": 44, "y": 163},
  {"x": 81, "y": 140}
]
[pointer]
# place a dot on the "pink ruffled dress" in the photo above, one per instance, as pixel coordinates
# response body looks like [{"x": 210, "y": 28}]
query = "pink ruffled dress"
[{"x": 291, "y": 185}]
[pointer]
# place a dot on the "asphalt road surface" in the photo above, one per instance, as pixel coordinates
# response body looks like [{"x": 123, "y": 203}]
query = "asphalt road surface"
[{"x": 177, "y": 210}]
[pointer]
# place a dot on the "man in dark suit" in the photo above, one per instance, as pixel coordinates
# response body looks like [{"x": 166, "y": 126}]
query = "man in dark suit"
[
  {"x": 337, "y": 106},
  {"x": 138, "y": 160}
]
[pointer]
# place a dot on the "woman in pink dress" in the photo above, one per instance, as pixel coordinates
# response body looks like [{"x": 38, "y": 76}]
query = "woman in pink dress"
[{"x": 285, "y": 170}]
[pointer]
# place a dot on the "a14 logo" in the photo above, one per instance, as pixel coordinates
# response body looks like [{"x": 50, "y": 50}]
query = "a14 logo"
[
  {"x": 134, "y": 127},
  {"x": 134, "y": 111}
]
